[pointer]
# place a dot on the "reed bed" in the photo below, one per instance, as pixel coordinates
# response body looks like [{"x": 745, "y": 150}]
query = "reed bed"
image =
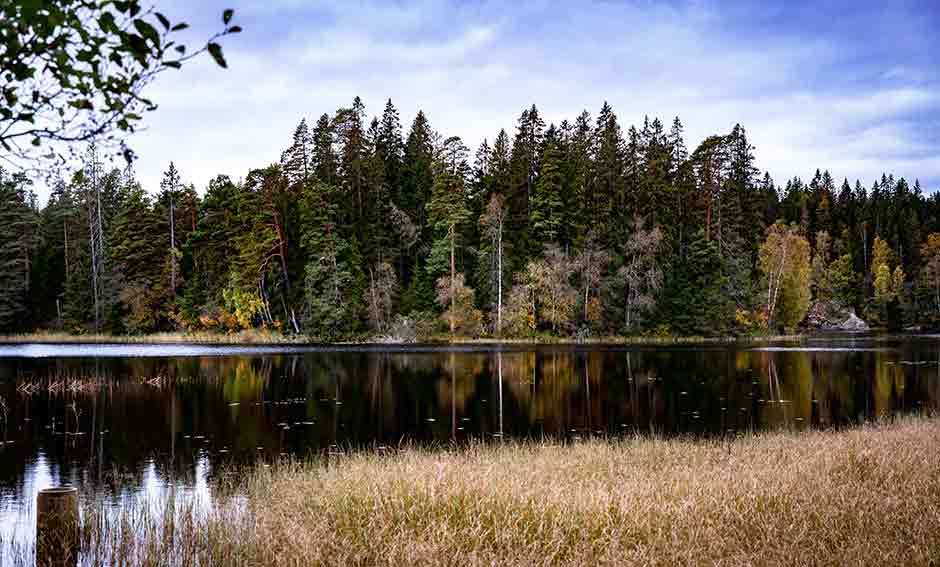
[
  {"x": 257, "y": 337},
  {"x": 252, "y": 337},
  {"x": 866, "y": 496}
]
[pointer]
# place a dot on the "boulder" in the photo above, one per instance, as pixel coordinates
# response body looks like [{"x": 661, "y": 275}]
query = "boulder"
[
  {"x": 831, "y": 316},
  {"x": 854, "y": 323}
]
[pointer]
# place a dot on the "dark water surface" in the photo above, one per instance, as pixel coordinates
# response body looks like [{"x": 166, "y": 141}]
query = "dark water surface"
[{"x": 135, "y": 416}]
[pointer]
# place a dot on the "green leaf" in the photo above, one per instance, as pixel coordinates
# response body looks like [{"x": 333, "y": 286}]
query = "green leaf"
[
  {"x": 180, "y": 49},
  {"x": 180, "y": 26},
  {"x": 147, "y": 31},
  {"x": 163, "y": 20},
  {"x": 227, "y": 16},
  {"x": 215, "y": 50},
  {"x": 82, "y": 104},
  {"x": 172, "y": 64},
  {"x": 235, "y": 29},
  {"x": 106, "y": 22}
]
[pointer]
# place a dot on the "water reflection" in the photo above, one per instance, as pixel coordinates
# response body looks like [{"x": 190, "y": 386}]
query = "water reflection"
[{"x": 128, "y": 424}]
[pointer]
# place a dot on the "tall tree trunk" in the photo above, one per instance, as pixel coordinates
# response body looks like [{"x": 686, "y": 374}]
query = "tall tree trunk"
[
  {"x": 586, "y": 287},
  {"x": 65, "y": 232},
  {"x": 453, "y": 283},
  {"x": 773, "y": 304},
  {"x": 499, "y": 280},
  {"x": 282, "y": 248},
  {"x": 172, "y": 246}
]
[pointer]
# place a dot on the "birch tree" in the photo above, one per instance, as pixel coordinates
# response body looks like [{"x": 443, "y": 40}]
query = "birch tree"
[
  {"x": 493, "y": 221},
  {"x": 784, "y": 261}
]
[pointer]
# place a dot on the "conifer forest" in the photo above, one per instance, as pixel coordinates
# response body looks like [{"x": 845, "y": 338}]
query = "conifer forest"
[{"x": 369, "y": 228}]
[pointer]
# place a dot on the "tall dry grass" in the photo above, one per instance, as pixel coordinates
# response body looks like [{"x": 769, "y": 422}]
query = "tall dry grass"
[
  {"x": 868, "y": 496},
  {"x": 263, "y": 337},
  {"x": 248, "y": 337}
]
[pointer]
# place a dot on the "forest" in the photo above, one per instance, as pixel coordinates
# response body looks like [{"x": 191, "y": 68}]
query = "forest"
[{"x": 365, "y": 231}]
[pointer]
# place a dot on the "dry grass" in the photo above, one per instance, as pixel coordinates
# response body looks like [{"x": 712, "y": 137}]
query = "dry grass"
[
  {"x": 250, "y": 337},
  {"x": 869, "y": 496},
  {"x": 628, "y": 340},
  {"x": 261, "y": 337}
]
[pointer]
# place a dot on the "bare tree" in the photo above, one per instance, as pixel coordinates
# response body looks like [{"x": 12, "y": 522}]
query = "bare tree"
[
  {"x": 641, "y": 274},
  {"x": 383, "y": 285},
  {"x": 591, "y": 263},
  {"x": 457, "y": 298},
  {"x": 93, "y": 178},
  {"x": 550, "y": 280}
]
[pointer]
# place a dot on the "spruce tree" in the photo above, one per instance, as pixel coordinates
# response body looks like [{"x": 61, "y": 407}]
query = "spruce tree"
[
  {"x": 19, "y": 231},
  {"x": 547, "y": 213}
]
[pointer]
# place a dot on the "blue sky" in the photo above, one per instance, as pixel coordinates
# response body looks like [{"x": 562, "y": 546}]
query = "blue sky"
[{"x": 853, "y": 87}]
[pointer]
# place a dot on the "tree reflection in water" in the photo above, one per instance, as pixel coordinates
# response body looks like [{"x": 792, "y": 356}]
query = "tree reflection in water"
[{"x": 131, "y": 422}]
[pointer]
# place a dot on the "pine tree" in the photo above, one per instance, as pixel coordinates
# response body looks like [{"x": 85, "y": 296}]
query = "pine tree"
[
  {"x": 18, "y": 240},
  {"x": 170, "y": 186},
  {"x": 145, "y": 292},
  {"x": 607, "y": 192},
  {"x": 325, "y": 162},
  {"x": 448, "y": 209},
  {"x": 524, "y": 169},
  {"x": 350, "y": 131},
  {"x": 577, "y": 162},
  {"x": 332, "y": 280},
  {"x": 389, "y": 146},
  {"x": 55, "y": 255},
  {"x": 547, "y": 214},
  {"x": 296, "y": 162}
]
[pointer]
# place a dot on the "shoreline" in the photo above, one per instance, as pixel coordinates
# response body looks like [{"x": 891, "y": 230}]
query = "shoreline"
[{"x": 272, "y": 339}]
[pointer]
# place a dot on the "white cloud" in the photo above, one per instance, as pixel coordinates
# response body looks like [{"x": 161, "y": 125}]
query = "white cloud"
[{"x": 474, "y": 67}]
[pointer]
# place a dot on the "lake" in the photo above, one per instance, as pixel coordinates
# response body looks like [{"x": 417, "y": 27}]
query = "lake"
[{"x": 133, "y": 420}]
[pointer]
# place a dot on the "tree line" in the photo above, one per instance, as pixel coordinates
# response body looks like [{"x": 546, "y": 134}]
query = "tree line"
[{"x": 579, "y": 228}]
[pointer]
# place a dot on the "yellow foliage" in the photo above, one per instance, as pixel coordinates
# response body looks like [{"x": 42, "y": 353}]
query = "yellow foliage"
[{"x": 245, "y": 306}]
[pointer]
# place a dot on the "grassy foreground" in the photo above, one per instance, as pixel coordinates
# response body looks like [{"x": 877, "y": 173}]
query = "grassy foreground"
[{"x": 868, "y": 496}]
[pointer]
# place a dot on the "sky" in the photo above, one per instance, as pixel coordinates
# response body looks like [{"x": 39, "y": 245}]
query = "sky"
[{"x": 852, "y": 87}]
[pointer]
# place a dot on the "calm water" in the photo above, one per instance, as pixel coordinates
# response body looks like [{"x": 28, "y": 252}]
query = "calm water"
[{"x": 134, "y": 417}]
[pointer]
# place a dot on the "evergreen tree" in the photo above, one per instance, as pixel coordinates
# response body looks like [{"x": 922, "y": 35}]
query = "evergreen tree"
[
  {"x": 547, "y": 212},
  {"x": 448, "y": 211},
  {"x": 296, "y": 162},
  {"x": 19, "y": 231},
  {"x": 332, "y": 278},
  {"x": 607, "y": 193}
]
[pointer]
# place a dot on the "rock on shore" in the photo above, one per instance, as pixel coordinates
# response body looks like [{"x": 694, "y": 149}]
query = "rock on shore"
[{"x": 830, "y": 316}]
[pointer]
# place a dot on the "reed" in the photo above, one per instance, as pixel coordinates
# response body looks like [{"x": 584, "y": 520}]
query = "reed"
[
  {"x": 257, "y": 337},
  {"x": 865, "y": 496},
  {"x": 251, "y": 337}
]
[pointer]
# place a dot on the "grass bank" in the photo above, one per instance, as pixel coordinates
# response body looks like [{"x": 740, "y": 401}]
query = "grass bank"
[
  {"x": 867, "y": 496},
  {"x": 241, "y": 338},
  {"x": 272, "y": 338}
]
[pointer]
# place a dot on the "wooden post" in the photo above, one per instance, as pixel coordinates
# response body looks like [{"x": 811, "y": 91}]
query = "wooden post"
[{"x": 57, "y": 527}]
